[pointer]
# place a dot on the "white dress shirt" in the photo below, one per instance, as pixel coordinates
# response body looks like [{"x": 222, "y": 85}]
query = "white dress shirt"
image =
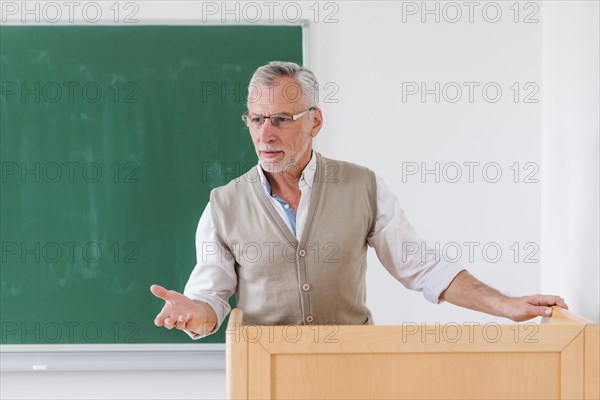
[{"x": 214, "y": 280}]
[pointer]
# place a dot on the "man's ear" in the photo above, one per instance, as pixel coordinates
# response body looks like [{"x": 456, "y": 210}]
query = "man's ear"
[{"x": 317, "y": 121}]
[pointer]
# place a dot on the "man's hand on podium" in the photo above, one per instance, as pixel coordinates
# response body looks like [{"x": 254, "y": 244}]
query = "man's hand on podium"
[
  {"x": 468, "y": 292},
  {"x": 527, "y": 307}
]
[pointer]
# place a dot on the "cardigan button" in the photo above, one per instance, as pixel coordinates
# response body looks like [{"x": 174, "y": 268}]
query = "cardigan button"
[
  {"x": 309, "y": 319},
  {"x": 302, "y": 253},
  {"x": 306, "y": 287}
]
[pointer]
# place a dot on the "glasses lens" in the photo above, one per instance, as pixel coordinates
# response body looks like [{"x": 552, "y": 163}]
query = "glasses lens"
[
  {"x": 281, "y": 120},
  {"x": 253, "y": 121},
  {"x": 256, "y": 121}
]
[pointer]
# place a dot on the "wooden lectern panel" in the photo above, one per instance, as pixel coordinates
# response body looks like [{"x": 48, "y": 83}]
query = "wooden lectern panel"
[
  {"x": 415, "y": 376},
  {"x": 476, "y": 361},
  {"x": 592, "y": 362}
]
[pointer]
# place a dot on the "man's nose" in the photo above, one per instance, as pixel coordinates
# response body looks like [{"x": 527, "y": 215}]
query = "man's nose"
[{"x": 267, "y": 132}]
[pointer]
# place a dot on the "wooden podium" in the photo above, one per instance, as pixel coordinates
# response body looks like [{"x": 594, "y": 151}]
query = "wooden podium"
[{"x": 555, "y": 360}]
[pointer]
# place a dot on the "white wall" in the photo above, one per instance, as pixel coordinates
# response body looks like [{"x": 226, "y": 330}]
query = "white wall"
[
  {"x": 367, "y": 55},
  {"x": 570, "y": 154},
  {"x": 372, "y": 125}
]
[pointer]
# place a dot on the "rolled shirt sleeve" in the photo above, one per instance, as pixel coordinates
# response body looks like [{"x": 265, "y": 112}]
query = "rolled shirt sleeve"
[
  {"x": 403, "y": 253},
  {"x": 213, "y": 279}
]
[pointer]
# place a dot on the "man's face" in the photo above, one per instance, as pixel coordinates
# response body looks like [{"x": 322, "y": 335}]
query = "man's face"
[{"x": 283, "y": 147}]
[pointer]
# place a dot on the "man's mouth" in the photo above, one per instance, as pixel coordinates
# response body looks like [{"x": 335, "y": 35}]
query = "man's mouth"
[{"x": 270, "y": 153}]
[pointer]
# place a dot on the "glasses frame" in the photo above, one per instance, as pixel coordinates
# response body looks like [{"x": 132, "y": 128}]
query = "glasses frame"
[{"x": 293, "y": 117}]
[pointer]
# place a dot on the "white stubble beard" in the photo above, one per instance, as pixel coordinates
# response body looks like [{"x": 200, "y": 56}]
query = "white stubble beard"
[{"x": 285, "y": 164}]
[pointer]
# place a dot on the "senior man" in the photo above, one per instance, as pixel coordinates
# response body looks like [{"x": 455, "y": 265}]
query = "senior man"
[{"x": 290, "y": 236}]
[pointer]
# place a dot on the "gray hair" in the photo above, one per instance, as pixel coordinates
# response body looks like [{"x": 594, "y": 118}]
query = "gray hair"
[{"x": 307, "y": 81}]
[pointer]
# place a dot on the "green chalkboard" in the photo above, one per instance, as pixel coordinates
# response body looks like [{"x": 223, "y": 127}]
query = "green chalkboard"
[{"x": 111, "y": 140}]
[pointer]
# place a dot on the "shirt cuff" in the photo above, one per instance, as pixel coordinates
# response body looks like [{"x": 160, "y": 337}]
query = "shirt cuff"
[{"x": 439, "y": 278}]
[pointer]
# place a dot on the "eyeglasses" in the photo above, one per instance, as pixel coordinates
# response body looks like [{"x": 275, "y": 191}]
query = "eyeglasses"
[{"x": 278, "y": 120}]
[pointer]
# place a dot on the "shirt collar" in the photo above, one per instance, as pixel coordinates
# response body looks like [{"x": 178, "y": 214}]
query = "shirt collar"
[{"x": 307, "y": 177}]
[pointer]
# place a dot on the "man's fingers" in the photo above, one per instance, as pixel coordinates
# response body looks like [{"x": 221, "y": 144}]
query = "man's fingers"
[
  {"x": 556, "y": 300},
  {"x": 561, "y": 303},
  {"x": 545, "y": 300},
  {"x": 160, "y": 318},
  {"x": 160, "y": 292},
  {"x": 181, "y": 322},
  {"x": 170, "y": 323},
  {"x": 178, "y": 323},
  {"x": 540, "y": 311}
]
